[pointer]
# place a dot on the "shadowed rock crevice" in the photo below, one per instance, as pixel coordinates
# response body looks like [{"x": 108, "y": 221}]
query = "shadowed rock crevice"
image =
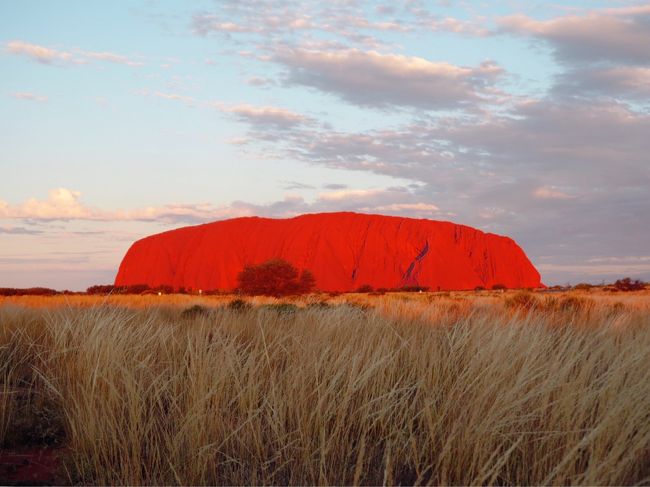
[{"x": 409, "y": 276}]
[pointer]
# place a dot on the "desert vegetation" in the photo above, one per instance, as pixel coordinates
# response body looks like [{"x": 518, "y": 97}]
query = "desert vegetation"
[
  {"x": 408, "y": 388},
  {"x": 275, "y": 277}
]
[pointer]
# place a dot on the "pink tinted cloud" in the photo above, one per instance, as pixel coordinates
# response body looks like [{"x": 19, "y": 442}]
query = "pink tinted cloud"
[
  {"x": 29, "y": 96},
  {"x": 376, "y": 79},
  {"x": 263, "y": 115},
  {"x": 615, "y": 34},
  {"x": 48, "y": 55},
  {"x": 63, "y": 204}
]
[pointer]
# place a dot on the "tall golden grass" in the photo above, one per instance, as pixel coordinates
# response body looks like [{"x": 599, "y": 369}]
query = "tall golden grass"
[{"x": 396, "y": 389}]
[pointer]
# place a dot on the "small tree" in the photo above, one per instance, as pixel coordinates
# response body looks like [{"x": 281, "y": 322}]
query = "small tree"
[
  {"x": 628, "y": 284},
  {"x": 307, "y": 282},
  {"x": 275, "y": 277}
]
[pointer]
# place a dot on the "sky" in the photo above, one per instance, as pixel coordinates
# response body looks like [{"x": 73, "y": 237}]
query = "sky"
[{"x": 123, "y": 119}]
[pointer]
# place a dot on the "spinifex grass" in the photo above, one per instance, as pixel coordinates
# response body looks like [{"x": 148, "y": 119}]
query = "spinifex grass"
[{"x": 410, "y": 390}]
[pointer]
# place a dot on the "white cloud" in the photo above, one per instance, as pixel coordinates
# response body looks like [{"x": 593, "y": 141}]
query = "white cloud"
[
  {"x": 347, "y": 194},
  {"x": 417, "y": 207}
]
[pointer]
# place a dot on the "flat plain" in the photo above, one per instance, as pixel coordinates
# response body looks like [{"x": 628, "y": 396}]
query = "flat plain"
[{"x": 484, "y": 387}]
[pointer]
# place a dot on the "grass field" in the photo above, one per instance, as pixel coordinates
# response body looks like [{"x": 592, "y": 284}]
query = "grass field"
[{"x": 414, "y": 388}]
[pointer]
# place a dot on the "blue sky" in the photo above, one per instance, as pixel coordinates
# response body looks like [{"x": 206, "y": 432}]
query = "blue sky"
[{"x": 121, "y": 119}]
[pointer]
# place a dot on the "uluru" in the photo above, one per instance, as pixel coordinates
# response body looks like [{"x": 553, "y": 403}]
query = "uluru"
[{"x": 343, "y": 250}]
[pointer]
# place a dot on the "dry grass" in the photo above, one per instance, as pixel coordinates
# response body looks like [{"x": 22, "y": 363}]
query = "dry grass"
[{"x": 456, "y": 388}]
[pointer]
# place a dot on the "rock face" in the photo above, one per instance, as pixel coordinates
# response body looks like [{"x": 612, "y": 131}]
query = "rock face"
[{"x": 343, "y": 250}]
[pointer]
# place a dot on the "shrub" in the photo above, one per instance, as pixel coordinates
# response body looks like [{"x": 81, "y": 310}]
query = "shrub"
[
  {"x": 130, "y": 289},
  {"x": 522, "y": 300},
  {"x": 238, "y": 305},
  {"x": 195, "y": 311},
  {"x": 281, "y": 308},
  {"x": 583, "y": 286},
  {"x": 101, "y": 289},
  {"x": 413, "y": 289},
  {"x": 164, "y": 289},
  {"x": 573, "y": 303},
  {"x": 307, "y": 282},
  {"x": 30, "y": 291},
  {"x": 366, "y": 288},
  {"x": 628, "y": 284},
  {"x": 275, "y": 277}
]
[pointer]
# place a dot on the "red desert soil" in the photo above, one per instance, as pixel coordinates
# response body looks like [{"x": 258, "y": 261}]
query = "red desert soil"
[
  {"x": 31, "y": 466},
  {"x": 343, "y": 250}
]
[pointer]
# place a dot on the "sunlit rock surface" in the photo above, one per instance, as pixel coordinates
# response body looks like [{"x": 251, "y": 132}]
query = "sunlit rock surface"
[{"x": 343, "y": 250}]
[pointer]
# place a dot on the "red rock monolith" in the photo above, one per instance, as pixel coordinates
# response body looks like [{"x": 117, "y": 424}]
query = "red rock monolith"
[{"x": 343, "y": 250}]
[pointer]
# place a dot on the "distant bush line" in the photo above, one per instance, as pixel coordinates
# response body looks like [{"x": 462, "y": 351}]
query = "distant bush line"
[{"x": 254, "y": 280}]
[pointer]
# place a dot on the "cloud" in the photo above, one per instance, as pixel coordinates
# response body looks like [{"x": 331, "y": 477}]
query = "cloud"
[
  {"x": 187, "y": 100},
  {"x": 393, "y": 201},
  {"x": 41, "y": 54},
  {"x": 29, "y": 96},
  {"x": 282, "y": 17},
  {"x": 617, "y": 270},
  {"x": 564, "y": 177},
  {"x": 549, "y": 193},
  {"x": 626, "y": 259},
  {"x": 457, "y": 26},
  {"x": 257, "y": 81},
  {"x": 7, "y": 230},
  {"x": 51, "y": 56},
  {"x": 620, "y": 82},
  {"x": 65, "y": 204},
  {"x": 335, "y": 186},
  {"x": 411, "y": 207},
  {"x": 293, "y": 185},
  {"x": 346, "y": 194},
  {"x": 612, "y": 35},
  {"x": 263, "y": 116},
  {"x": 204, "y": 24},
  {"x": 370, "y": 78},
  {"x": 111, "y": 58},
  {"x": 61, "y": 204}
]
